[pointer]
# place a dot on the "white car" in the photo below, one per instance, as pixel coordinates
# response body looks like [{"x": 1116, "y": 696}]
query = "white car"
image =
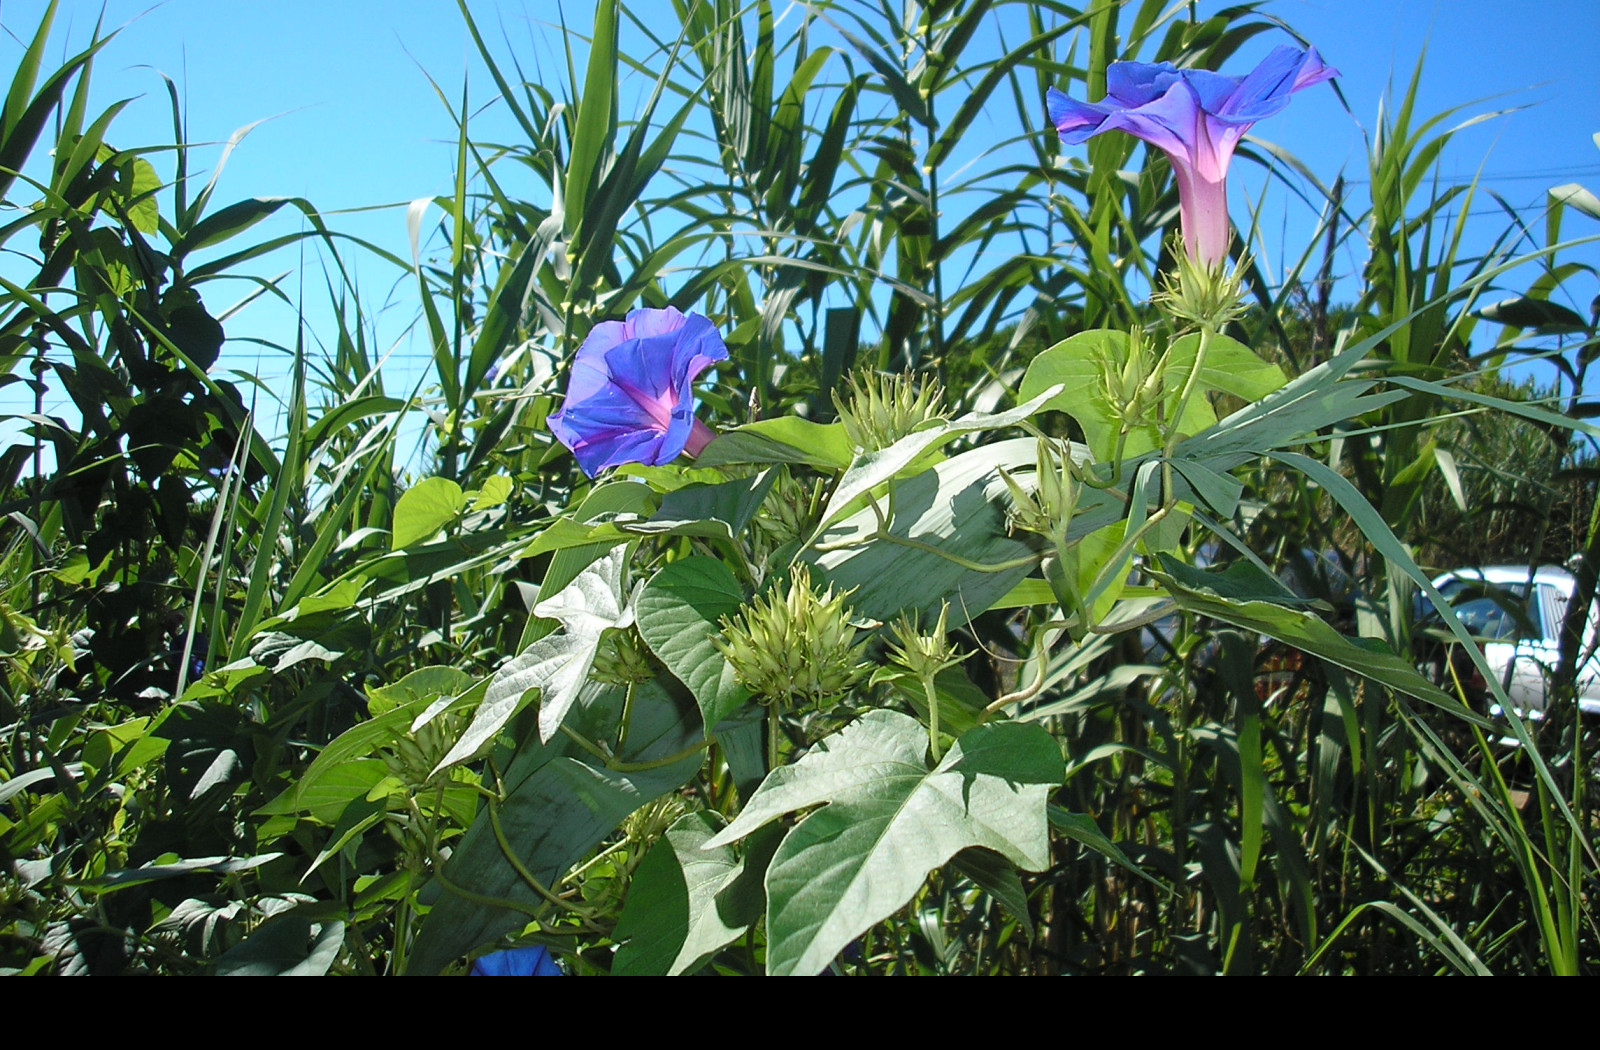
[{"x": 1515, "y": 612}]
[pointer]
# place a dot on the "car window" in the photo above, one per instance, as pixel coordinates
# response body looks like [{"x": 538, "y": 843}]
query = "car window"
[
  {"x": 1494, "y": 612},
  {"x": 1486, "y": 618}
]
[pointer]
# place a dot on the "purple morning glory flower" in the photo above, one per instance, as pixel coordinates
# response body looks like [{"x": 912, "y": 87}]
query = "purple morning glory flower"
[
  {"x": 631, "y": 396},
  {"x": 1196, "y": 118},
  {"x": 516, "y": 962}
]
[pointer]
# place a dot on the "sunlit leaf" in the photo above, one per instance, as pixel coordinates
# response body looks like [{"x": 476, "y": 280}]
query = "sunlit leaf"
[
  {"x": 886, "y": 821},
  {"x": 424, "y": 509},
  {"x": 678, "y": 613}
]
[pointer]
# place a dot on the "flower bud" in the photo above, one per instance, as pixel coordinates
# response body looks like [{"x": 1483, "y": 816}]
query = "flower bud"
[
  {"x": 801, "y": 647},
  {"x": 789, "y": 512},
  {"x": 1131, "y": 386},
  {"x": 1054, "y": 500},
  {"x": 620, "y": 660},
  {"x": 651, "y": 820},
  {"x": 413, "y": 755},
  {"x": 923, "y": 655},
  {"x": 879, "y": 410},
  {"x": 1206, "y": 294}
]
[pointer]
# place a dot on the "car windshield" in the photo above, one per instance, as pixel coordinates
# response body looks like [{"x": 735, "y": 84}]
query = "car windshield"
[{"x": 1487, "y": 610}]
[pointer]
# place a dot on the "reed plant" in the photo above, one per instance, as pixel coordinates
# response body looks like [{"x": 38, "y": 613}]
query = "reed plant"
[{"x": 961, "y": 646}]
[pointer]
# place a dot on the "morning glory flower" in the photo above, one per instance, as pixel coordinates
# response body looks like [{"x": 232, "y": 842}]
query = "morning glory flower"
[
  {"x": 1196, "y": 118},
  {"x": 631, "y": 396},
  {"x": 534, "y": 961}
]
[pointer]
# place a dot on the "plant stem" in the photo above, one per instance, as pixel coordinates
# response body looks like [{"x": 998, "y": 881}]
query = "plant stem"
[
  {"x": 1207, "y": 333},
  {"x": 522, "y": 870},
  {"x": 772, "y": 738},
  {"x": 932, "y": 696},
  {"x": 657, "y": 763}
]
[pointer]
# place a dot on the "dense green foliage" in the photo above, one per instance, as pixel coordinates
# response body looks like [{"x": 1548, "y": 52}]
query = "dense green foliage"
[{"x": 275, "y": 698}]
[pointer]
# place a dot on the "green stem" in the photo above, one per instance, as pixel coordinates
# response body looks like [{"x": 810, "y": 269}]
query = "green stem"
[
  {"x": 521, "y": 869},
  {"x": 588, "y": 745},
  {"x": 620, "y": 844},
  {"x": 1189, "y": 386},
  {"x": 627, "y": 719},
  {"x": 772, "y": 738},
  {"x": 402, "y": 928},
  {"x": 1115, "y": 479},
  {"x": 1041, "y": 657},
  {"x": 657, "y": 763},
  {"x": 618, "y": 766},
  {"x": 932, "y": 696},
  {"x": 485, "y": 900}
]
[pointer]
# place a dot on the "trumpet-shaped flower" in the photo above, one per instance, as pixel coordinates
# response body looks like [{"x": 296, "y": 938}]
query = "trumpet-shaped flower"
[
  {"x": 1196, "y": 118},
  {"x": 631, "y": 395},
  {"x": 534, "y": 961}
]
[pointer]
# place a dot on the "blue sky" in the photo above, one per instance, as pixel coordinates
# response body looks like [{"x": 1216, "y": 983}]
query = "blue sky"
[{"x": 350, "y": 119}]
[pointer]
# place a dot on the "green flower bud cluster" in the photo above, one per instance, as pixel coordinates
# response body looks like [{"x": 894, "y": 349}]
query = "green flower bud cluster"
[
  {"x": 879, "y": 409},
  {"x": 651, "y": 820},
  {"x": 923, "y": 655},
  {"x": 620, "y": 659},
  {"x": 413, "y": 757},
  {"x": 1208, "y": 296},
  {"x": 1049, "y": 508},
  {"x": 22, "y": 639},
  {"x": 790, "y": 510},
  {"x": 796, "y": 649},
  {"x": 1132, "y": 386}
]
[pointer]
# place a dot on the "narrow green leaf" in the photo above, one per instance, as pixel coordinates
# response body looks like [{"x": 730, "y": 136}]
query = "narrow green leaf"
[
  {"x": 341, "y": 415},
  {"x": 1446, "y": 462},
  {"x": 227, "y": 222},
  {"x": 1027, "y": 593},
  {"x": 1080, "y": 827},
  {"x": 1367, "y": 657},
  {"x": 1220, "y": 492},
  {"x": 1542, "y": 315},
  {"x": 595, "y": 124}
]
